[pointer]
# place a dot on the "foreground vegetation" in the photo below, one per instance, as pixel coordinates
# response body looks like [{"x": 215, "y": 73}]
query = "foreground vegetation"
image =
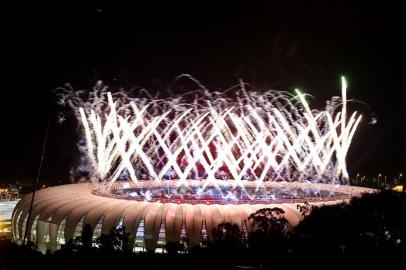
[{"x": 369, "y": 230}]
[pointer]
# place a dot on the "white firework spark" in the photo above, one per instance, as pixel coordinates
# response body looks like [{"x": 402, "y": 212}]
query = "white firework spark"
[
  {"x": 60, "y": 118},
  {"x": 206, "y": 136},
  {"x": 373, "y": 121},
  {"x": 61, "y": 101}
]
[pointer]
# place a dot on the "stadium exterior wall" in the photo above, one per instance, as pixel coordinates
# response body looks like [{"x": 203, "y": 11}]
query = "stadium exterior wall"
[{"x": 60, "y": 212}]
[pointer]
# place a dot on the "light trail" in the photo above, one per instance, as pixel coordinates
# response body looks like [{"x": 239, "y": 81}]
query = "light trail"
[{"x": 210, "y": 137}]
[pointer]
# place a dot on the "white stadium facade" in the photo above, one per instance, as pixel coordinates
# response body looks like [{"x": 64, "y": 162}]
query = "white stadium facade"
[{"x": 59, "y": 214}]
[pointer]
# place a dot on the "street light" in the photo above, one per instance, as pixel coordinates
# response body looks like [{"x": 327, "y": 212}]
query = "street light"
[{"x": 400, "y": 176}]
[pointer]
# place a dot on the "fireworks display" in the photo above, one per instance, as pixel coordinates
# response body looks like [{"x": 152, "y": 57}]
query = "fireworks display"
[{"x": 238, "y": 137}]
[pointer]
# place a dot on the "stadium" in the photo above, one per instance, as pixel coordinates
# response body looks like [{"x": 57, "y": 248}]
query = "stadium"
[{"x": 171, "y": 170}]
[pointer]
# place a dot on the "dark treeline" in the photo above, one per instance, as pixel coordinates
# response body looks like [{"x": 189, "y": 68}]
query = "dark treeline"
[{"x": 367, "y": 231}]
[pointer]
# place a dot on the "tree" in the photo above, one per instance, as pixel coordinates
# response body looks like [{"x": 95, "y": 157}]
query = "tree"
[
  {"x": 269, "y": 229},
  {"x": 117, "y": 240},
  {"x": 87, "y": 238},
  {"x": 174, "y": 247},
  {"x": 123, "y": 239},
  {"x": 227, "y": 240},
  {"x": 82, "y": 243},
  {"x": 370, "y": 226},
  {"x": 270, "y": 221},
  {"x": 305, "y": 209}
]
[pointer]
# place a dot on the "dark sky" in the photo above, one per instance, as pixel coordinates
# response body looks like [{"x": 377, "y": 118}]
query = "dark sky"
[{"x": 280, "y": 47}]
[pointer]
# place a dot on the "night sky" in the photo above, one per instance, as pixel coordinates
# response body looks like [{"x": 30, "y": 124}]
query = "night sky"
[{"x": 278, "y": 47}]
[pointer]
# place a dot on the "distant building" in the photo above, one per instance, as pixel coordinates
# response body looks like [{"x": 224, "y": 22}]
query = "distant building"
[
  {"x": 9, "y": 196},
  {"x": 6, "y": 210},
  {"x": 398, "y": 188}
]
